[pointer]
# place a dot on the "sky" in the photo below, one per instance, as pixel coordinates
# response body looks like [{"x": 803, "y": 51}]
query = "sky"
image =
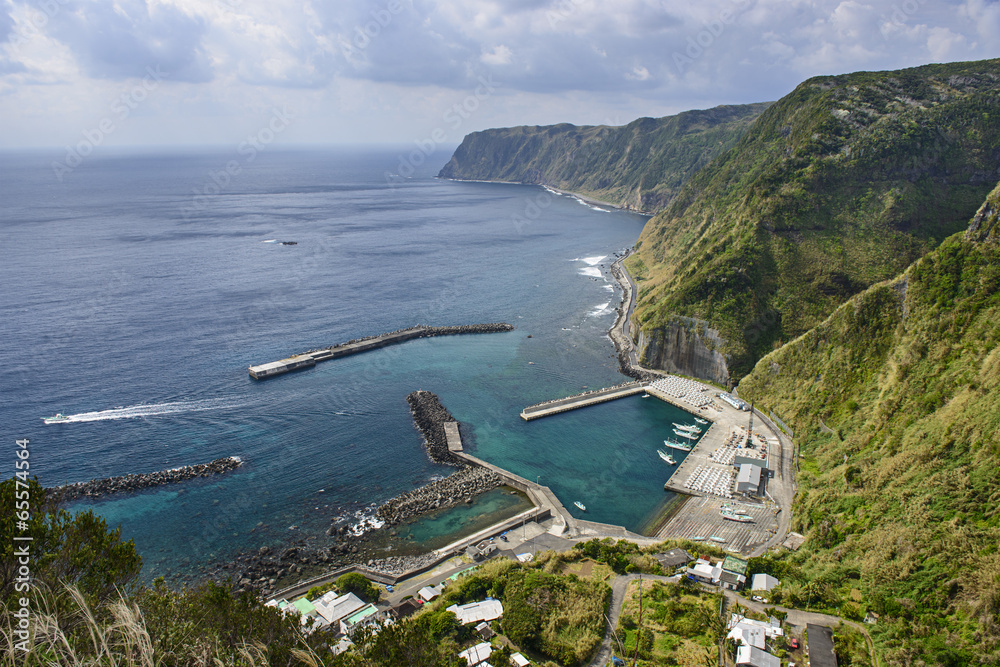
[{"x": 427, "y": 72}]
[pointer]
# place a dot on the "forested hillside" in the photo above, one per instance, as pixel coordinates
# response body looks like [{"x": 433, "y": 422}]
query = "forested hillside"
[
  {"x": 895, "y": 399},
  {"x": 837, "y": 186}
]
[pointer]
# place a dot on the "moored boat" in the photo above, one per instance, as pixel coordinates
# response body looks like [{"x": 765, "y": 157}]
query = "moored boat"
[
  {"x": 676, "y": 445},
  {"x": 685, "y": 434},
  {"x": 580, "y": 506},
  {"x": 666, "y": 457},
  {"x": 687, "y": 427},
  {"x": 700, "y": 420}
]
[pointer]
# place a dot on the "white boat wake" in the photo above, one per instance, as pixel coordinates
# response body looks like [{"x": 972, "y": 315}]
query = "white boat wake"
[{"x": 150, "y": 410}]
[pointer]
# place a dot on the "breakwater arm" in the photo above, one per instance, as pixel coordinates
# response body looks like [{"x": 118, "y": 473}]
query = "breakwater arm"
[
  {"x": 96, "y": 488},
  {"x": 452, "y": 490},
  {"x": 430, "y": 417},
  {"x": 310, "y": 358}
]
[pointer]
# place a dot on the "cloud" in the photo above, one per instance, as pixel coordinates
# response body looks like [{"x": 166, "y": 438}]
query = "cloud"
[
  {"x": 119, "y": 40},
  {"x": 554, "y": 60}
]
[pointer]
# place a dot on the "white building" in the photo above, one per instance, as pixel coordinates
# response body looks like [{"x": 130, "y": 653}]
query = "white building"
[
  {"x": 428, "y": 593},
  {"x": 333, "y": 607},
  {"x": 519, "y": 660},
  {"x": 705, "y": 572},
  {"x": 763, "y": 582},
  {"x": 487, "y": 610},
  {"x": 755, "y": 657},
  {"x": 478, "y": 654},
  {"x": 748, "y": 479},
  {"x": 771, "y": 627},
  {"x": 365, "y": 616},
  {"x": 747, "y": 635}
]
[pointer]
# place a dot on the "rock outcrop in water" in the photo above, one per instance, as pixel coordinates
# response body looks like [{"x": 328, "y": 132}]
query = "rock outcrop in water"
[{"x": 96, "y": 488}]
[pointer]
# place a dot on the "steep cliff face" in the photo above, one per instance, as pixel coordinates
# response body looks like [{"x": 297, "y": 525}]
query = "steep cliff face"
[
  {"x": 839, "y": 185},
  {"x": 685, "y": 346},
  {"x": 640, "y": 166}
]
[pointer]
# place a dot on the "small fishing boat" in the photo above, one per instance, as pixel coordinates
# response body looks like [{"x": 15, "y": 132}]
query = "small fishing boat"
[
  {"x": 716, "y": 538},
  {"x": 698, "y": 538},
  {"x": 701, "y": 421},
  {"x": 59, "y": 418},
  {"x": 666, "y": 457},
  {"x": 677, "y": 446},
  {"x": 580, "y": 506},
  {"x": 685, "y": 434},
  {"x": 687, "y": 427}
]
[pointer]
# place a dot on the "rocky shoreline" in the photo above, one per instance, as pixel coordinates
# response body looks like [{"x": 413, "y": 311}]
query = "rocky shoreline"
[
  {"x": 456, "y": 488},
  {"x": 429, "y": 416},
  {"x": 96, "y": 488}
]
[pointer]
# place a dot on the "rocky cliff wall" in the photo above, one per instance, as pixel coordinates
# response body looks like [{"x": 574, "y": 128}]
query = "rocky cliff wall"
[{"x": 685, "y": 346}]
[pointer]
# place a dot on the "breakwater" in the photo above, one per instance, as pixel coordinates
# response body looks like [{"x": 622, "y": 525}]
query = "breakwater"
[
  {"x": 96, "y": 488},
  {"x": 358, "y": 345},
  {"x": 592, "y": 397},
  {"x": 430, "y": 417},
  {"x": 456, "y": 488}
]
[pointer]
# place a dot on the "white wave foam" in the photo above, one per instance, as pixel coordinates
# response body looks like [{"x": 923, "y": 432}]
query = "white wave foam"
[
  {"x": 555, "y": 192},
  {"x": 591, "y": 271},
  {"x": 366, "y": 520},
  {"x": 591, "y": 261},
  {"x": 610, "y": 288},
  {"x": 600, "y": 310},
  {"x": 153, "y": 410}
]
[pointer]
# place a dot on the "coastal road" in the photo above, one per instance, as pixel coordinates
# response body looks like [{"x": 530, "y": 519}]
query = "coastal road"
[{"x": 783, "y": 485}]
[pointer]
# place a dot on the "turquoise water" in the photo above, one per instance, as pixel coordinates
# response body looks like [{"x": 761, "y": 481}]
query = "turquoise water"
[
  {"x": 131, "y": 300},
  {"x": 440, "y": 528}
]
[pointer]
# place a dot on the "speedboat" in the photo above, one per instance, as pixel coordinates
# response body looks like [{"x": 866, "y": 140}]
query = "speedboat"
[
  {"x": 57, "y": 419},
  {"x": 666, "y": 457},
  {"x": 580, "y": 506}
]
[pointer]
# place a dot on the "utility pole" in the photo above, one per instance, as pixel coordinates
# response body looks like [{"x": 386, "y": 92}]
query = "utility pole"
[{"x": 638, "y": 631}]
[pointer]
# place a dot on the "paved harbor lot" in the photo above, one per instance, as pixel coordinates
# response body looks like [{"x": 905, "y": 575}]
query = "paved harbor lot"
[{"x": 700, "y": 518}]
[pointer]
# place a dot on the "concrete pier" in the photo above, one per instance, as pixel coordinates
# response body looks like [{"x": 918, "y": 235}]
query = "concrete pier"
[
  {"x": 580, "y": 401},
  {"x": 309, "y": 359}
]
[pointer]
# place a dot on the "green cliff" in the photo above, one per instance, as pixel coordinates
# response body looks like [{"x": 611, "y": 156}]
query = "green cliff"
[
  {"x": 837, "y": 186},
  {"x": 895, "y": 402},
  {"x": 640, "y": 166}
]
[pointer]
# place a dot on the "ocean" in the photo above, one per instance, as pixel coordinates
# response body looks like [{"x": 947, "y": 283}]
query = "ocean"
[{"x": 140, "y": 287}]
